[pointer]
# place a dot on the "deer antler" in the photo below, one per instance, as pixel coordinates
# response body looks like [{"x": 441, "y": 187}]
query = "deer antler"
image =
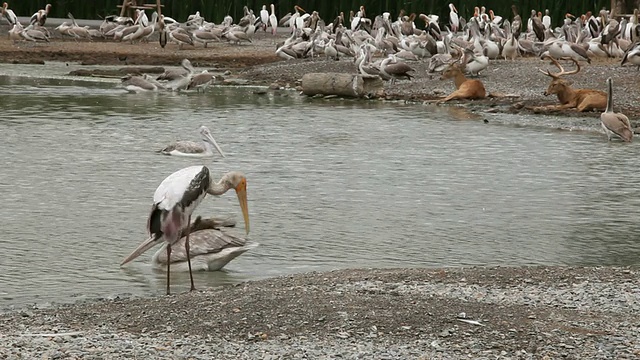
[{"x": 562, "y": 71}]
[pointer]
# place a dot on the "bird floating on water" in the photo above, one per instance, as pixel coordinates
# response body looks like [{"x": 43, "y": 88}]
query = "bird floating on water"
[
  {"x": 194, "y": 149},
  {"x": 211, "y": 248}
]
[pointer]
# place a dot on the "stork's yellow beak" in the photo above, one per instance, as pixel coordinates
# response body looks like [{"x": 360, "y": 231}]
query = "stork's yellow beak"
[{"x": 241, "y": 191}]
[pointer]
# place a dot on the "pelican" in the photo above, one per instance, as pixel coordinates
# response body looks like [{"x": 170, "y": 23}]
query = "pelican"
[
  {"x": 9, "y": 14},
  {"x": 175, "y": 200},
  {"x": 615, "y": 123},
  {"x": 210, "y": 248},
  {"x": 136, "y": 84},
  {"x": 174, "y": 74},
  {"x": 201, "y": 81},
  {"x": 194, "y": 149}
]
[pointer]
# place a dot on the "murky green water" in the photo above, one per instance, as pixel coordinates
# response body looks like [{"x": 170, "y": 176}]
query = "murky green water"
[{"x": 336, "y": 184}]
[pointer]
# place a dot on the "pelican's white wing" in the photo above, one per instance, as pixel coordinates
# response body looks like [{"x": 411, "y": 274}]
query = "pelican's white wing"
[{"x": 187, "y": 147}]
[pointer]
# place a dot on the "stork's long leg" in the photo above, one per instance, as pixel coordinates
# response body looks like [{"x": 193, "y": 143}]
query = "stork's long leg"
[
  {"x": 186, "y": 248},
  {"x": 168, "y": 267}
]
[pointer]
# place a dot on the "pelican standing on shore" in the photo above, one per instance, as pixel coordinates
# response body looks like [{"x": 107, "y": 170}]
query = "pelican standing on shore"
[
  {"x": 194, "y": 149},
  {"x": 615, "y": 123},
  {"x": 211, "y": 249},
  {"x": 175, "y": 200}
]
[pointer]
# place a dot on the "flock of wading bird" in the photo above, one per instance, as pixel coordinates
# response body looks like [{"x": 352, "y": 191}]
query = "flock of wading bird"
[{"x": 464, "y": 46}]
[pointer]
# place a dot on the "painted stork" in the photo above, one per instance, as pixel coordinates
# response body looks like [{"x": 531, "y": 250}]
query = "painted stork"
[
  {"x": 40, "y": 16},
  {"x": 175, "y": 200},
  {"x": 273, "y": 20},
  {"x": 454, "y": 20},
  {"x": 193, "y": 149},
  {"x": 9, "y": 14}
]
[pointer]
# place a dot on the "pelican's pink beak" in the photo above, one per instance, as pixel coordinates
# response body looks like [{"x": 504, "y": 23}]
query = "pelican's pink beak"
[
  {"x": 146, "y": 245},
  {"x": 241, "y": 191}
]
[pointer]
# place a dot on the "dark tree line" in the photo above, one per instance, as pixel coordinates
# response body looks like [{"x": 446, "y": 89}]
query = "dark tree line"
[{"x": 215, "y": 10}]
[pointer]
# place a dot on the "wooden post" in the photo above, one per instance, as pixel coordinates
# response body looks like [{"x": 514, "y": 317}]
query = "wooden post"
[
  {"x": 159, "y": 6},
  {"x": 341, "y": 84}
]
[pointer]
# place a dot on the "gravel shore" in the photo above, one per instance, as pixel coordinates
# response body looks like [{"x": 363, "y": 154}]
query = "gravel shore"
[{"x": 479, "y": 313}]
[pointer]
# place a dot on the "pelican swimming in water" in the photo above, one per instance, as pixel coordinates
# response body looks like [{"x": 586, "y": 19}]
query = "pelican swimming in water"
[
  {"x": 194, "y": 149},
  {"x": 175, "y": 200},
  {"x": 210, "y": 249}
]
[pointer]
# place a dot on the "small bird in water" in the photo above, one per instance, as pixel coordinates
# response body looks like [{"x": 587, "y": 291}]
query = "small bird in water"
[{"x": 194, "y": 149}]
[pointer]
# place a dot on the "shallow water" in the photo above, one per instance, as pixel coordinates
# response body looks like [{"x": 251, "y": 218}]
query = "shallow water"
[{"x": 332, "y": 184}]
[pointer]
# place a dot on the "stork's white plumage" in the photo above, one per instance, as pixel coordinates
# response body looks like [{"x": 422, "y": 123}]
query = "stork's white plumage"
[
  {"x": 264, "y": 17},
  {"x": 273, "y": 20},
  {"x": 9, "y": 14},
  {"x": 175, "y": 200},
  {"x": 454, "y": 20}
]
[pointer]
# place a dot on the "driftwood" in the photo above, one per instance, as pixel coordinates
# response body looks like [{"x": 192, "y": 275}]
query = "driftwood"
[
  {"x": 116, "y": 73},
  {"x": 348, "y": 85}
]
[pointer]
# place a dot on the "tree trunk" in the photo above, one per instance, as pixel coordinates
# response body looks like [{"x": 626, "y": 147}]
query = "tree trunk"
[{"x": 340, "y": 84}]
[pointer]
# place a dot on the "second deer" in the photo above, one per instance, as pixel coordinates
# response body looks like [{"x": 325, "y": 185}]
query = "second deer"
[
  {"x": 581, "y": 99},
  {"x": 465, "y": 88}
]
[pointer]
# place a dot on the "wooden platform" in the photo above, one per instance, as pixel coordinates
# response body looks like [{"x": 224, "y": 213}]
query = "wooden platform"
[{"x": 130, "y": 5}]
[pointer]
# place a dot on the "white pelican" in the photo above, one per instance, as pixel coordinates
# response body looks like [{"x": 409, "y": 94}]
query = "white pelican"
[
  {"x": 210, "y": 248},
  {"x": 9, "y": 14},
  {"x": 615, "y": 123},
  {"x": 137, "y": 84},
  {"x": 194, "y": 149},
  {"x": 175, "y": 200}
]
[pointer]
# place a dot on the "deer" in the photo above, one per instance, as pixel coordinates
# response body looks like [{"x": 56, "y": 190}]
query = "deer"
[
  {"x": 581, "y": 99},
  {"x": 465, "y": 88}
]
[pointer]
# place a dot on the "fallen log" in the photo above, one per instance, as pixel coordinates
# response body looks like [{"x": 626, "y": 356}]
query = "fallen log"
[{"x": 347, "y": 85}]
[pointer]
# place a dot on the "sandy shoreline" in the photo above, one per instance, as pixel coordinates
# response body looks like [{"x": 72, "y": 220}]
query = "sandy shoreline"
[{"x": 525, "y": 312}]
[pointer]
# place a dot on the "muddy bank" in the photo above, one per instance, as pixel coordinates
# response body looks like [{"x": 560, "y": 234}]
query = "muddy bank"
[{"x": 520, "y": 81}]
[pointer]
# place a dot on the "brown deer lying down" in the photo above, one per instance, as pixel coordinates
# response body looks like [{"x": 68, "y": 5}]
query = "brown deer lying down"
[
  {"x": 465, "y": 88},
  {"x": 581, "y": 99}
]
